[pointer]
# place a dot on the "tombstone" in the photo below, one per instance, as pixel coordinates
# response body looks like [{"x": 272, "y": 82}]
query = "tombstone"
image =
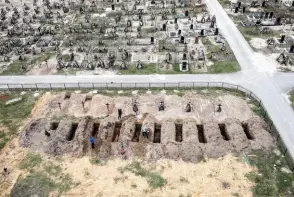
[
  {"x": 291, "y": 49},
  {"x": 182, "y": 39},
  {"x": 236, "y": 9},
  {"x": 153, "y": 2},
  {"x": 239, "y": 4},
  {"x": 216, "y": 31},
  {"x": 140, "y": 17},
  {"x": 184, "y": 56},
  {"x": 164, "y": 27},
  {"x": 152, "y": 40},
  {"x": 191, "y": 26},
  {"x": 176, "y": 20},
  {"x": 186, "y": 13},
  {"x": 184, "y": 68},
  {"x": 282, "y": 39},
  {"x": 196, "y": 40},
  {"x": 278, "y": 21},
  {"x": 112, "y": 6},
  {"x": 179, "y": 32},
  {"x": 271, "y": 14},
  {"x": 266, "y": 15},
  {"x": 263, "y": 4},
  {"x": 292, "y": 3},
  {"x": 202, "y": 32},
  {"x": 244, "y": 10}
]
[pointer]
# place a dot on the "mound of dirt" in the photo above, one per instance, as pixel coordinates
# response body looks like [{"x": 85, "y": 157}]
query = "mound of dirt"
[{"x": 172, "y": 139}]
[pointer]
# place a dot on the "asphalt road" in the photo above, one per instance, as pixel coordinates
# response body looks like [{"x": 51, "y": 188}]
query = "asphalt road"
[{"x": 257, "y": 75}]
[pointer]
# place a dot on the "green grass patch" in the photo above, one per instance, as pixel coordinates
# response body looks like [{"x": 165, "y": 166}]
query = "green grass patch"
[
  {"x": 250, "y": 32},
  {"x": 291, "y": 98},
  {"x": 30, "y": 161},
  {"x": 154, "y": 179},
  {"x": 12, "y": 115},
  {"x": 270, "y": 180},
  {"x": 229, "y": 66},
  {"x": 15, "y": 67},
  {"x": 95, "y": 161}
]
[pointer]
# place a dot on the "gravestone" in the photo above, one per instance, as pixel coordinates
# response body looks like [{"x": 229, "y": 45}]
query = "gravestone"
[
  {"x": 184, "y": 56},
  {"x": 152, "y": 40},
  {"x": 216, "y": 31},
  {"x": 291, "y": 49},
  {"x": 244, "y": 9},
  {"x": 278, "y": 21},
  {"x": 186, "y": 13},
  {"x": 112, "y": 6},
  {"x": 263, "y": 4},
  {"x": 292, "y": 3},
  {"x": 196, "y": 40},
  {"x": 266, "y": 15},
  {"x": 176, "y": 20},
  {"x": 182, "y": 39},
  {"x": 236, "y": 9},
  {"x": 271, "y": 15},
  {"x": 282, "y": 39},
  {"x": 191, "y": 26},
  {"x": 164, "y": 27},
  {"x": 239, "y": 4},
  {"x": 179, "y": 32},
  {"x": 202, "y": 32}
]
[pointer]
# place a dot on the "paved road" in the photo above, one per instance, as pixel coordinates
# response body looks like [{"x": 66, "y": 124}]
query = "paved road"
[{"x": 257, "y": 75}]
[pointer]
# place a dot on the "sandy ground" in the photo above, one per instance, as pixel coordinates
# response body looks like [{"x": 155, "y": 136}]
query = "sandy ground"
[
  {"x": 204, "y": 107},
  {"x": 204, "y": 179},
  {"x": 215, "y": 177}
]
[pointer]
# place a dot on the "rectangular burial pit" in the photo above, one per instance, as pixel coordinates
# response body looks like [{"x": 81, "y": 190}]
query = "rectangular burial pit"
[
  {"x": 116, "y": 132},
  {"x": 136, "y": 136},
  {"x": 247, "y": 132},
  {"x": 224, "y": 133},
  {"x": 157, "y": 133},
  {"x": 54, "y": 125},
  {"x": 95, "y": 129},
  {"x": 201, "y": 134},
  {"x": 179, "y": 132},
  {"x": 72, "y": 132}
]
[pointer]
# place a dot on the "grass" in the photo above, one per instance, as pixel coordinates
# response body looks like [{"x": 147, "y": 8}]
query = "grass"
[
  {"x": 291, "y": 98},
  {"x": 229, "y": 66},
  {"x": 257, "y": 109},
  {"x": 95, "y": 161},
  {"x": 30, "y": 161},
  {"x": 42, "y": 178},
  {"x": 224, "y": 64},
  {"x": 15, "y": 67},
  {"x": 154, "y": 179},
  {"x": 270, "y": 180},
  {"x": 12, "y": 115},
  {"x": 253, "y": 32}
]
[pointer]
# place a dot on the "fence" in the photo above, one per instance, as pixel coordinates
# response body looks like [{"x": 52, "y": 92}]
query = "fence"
[{"x": 182, "y": 85}]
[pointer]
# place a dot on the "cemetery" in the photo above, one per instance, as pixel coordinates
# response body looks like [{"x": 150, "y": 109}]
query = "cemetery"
[
  {"x": 267, "y": 26},
  {"x": 111, "y": 37}
]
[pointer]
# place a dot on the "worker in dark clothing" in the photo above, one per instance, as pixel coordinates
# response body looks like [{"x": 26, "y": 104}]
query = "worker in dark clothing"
[
  {"x": 219, "y": 109},
  {"x": 119, "y": 111},
  {"x": 92, "y": 141}
]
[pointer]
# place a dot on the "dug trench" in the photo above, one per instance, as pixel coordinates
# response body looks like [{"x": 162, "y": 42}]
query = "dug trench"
[{"x": 166, "y": 139}]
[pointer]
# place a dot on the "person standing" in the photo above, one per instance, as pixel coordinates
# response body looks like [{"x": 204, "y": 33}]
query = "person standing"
[
  {"x": 92, "y": 141},
  {"x": 119, "y": 111}
]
